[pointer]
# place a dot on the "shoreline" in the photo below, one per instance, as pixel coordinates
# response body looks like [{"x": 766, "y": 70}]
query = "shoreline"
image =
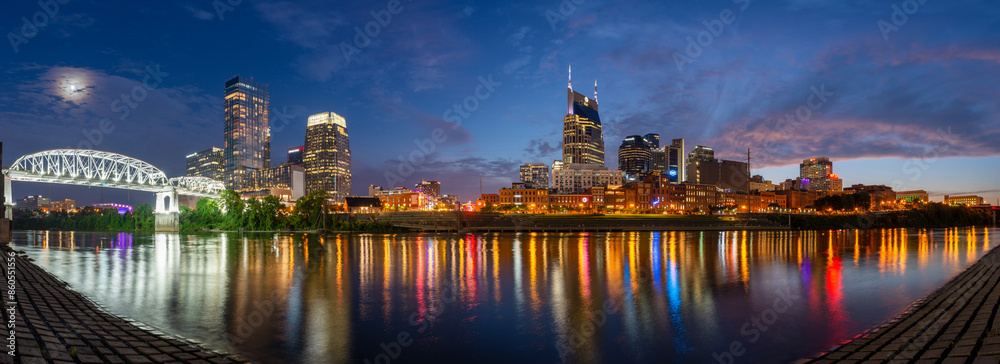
[
  {"x": 955, "y": 323},
  {"x": 54, "y": 323}
]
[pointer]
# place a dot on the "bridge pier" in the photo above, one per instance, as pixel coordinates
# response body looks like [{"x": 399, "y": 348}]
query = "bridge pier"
[
  {"x": 8, "y": 199},
  {"x": 167, "y": 217}
]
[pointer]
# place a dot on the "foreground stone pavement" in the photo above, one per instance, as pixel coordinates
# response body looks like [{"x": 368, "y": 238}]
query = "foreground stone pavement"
[
  {"x": 54, "y": 324},
  {"x": 956, "y": 324}
]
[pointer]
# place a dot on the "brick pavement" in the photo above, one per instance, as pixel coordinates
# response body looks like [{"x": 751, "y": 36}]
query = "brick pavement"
[
  {"x": 958, "y": 323},
  {"x": 54, "y": 324}
]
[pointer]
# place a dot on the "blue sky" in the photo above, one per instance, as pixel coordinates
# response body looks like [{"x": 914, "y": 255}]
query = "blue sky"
[{"x": 915, "y": 107}]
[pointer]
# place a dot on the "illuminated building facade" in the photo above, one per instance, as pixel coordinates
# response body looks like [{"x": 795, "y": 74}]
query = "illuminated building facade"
[
  {"x": 64, "y": 205},
  {"x": 535, "y": 174},
  {"x": 676, "y": 166},
  {"x": 286, "y": 181},
  {"x": 34, "y": 203},
  {"x": 700, "y": 154},
  {"x": 429, "y": 188},
  {"x": 583, "y": 138},
  {"x": 577, "y": 178},
  {"x": 634, "y": 156},
  {"x": 328, "y": 155},
  {"x": 815, "y": 168},
  {"x": 531, "y": 199},
  {"x": 916, "y": 196},
  {"x": 207, "y": 163},
  {"x": 247, "y": 129},
  {"x": 968, "y": 200}
]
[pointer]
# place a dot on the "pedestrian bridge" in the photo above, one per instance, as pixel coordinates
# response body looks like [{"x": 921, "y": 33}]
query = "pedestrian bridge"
[{"x": 84, "y": 167}]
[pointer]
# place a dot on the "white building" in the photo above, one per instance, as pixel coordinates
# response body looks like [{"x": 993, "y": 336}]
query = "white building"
[{"x": 578, "y": 177}]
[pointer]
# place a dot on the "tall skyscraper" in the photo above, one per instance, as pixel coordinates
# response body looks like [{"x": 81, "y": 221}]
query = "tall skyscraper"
[
  {"x": 328, "y": 155},
  {"x": 653, "y": 140},
  {"x": 634, "y": 156},
  {"x": 815, "y": 168},
  {"x": 583, "y": 138},
  {"x": 536, "y": 174},
  {"x": 247, "y": 129},
  {"x": 429, "y": 188},
  {"x": 206, "y": 163},
  {"x": 817, "y": 174},
  {"x": 295, "y": 155},
  {"x": 676, "y": 166},
  {"x": 700, "y": 154}
]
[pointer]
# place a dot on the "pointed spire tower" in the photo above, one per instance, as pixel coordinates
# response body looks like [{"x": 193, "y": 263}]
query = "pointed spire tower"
[
  {"x": 569, "y": 92},
  {"x": 595, "y": 92}
]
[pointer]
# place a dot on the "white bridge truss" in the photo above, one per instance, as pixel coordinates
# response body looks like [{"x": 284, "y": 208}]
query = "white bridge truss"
[{"x": 85, "y": 167}]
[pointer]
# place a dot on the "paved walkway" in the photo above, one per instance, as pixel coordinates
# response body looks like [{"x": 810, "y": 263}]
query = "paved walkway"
[
  {"x": 54, "y": 324},
  {"x": 956, "y": 324}
]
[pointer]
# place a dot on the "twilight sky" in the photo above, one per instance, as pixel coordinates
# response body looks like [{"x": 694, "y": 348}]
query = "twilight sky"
[{"x": 907, "y": 99}]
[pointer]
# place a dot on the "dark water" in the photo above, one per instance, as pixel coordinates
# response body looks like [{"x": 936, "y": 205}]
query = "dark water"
[{"x": 755, "y": 297}]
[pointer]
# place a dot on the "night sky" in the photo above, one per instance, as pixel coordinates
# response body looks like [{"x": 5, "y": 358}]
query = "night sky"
[{"x": 907, "y": 99}]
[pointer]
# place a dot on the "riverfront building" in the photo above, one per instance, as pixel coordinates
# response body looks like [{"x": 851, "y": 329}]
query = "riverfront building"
[
  {"x": 535, "y": 174},
  {"x": 967, "y": 200},
  {"x": 577, "y": 178},
  {"x": 207, "y": 163},
  {"x": 247, "y": 129},
  {"x": 328, "y": 155}
]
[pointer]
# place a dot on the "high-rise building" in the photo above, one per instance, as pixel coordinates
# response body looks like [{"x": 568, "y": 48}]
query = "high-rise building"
[
  {"x": 583, "y": 138},
  {"x": 328, "y": 155},
  {"x": 817, "y": 173},
  {"x": 659, "y": 160},
  {"x": 64, "y": 205},
  {"x": 429, "y": 188},
  {"x": 206, "y": 163},
  {"x": 676, "y": 166},
  {"x": 634, "y": 156},
  {"x": 247, "y": 129},
  {"x": 295, "y": 155},
  {"x": 535, "y": 174},
  {"x": 699, "y": 155},
  {"x": 286, "y": 180},
  {"x": 815, "y": 168},
  {"x": 653, "y": 140}
]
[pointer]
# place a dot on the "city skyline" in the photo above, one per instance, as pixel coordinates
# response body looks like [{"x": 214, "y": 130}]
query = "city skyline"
[{"x": 901, "y": 130}]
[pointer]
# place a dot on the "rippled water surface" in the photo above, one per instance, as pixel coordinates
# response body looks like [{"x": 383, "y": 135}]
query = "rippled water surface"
[{"x": 643, "y": 297}]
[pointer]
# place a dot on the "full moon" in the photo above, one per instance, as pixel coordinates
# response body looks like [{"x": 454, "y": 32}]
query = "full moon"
[{"x": 72, "y": 86}]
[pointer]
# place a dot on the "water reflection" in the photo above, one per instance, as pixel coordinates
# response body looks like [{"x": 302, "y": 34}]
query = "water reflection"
[{"x": 530, "y": 297}]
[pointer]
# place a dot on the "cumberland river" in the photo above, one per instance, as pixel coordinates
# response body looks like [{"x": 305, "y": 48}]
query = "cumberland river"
[{"x": 706, "y": 297}]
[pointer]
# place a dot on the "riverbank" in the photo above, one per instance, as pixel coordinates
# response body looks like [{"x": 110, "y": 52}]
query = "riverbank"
[
  {"x": 53, "y": 323},
  {"x": 955, "y": 324}
]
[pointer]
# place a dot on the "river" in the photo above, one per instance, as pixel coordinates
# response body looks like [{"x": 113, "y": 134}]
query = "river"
[{"x": 644, "y": 297}]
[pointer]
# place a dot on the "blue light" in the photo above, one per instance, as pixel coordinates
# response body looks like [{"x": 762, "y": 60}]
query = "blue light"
[{"x": 673, "y": 173}]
